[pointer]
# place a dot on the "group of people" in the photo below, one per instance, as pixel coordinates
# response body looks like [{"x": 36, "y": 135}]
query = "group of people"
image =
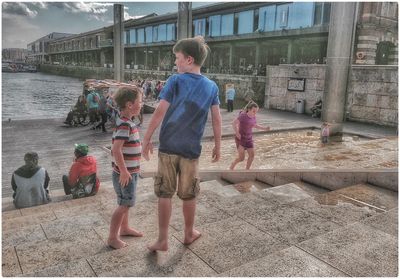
[
  {"x": 185, "y": 101},
  {"x": 30, "y": 182},
  {"x": 151, "y": 88}
]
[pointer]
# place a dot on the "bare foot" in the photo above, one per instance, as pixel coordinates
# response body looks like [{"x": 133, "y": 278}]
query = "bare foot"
[
  {"x": 190, "y": 238},
  {"x": 130, "y": 232},
  {"x": 116, "y": 244},
  {"x": 158, "y": 246}
]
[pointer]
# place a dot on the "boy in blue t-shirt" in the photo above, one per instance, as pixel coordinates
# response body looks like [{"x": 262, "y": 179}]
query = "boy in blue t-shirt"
[{"x": 185, "y": 102}]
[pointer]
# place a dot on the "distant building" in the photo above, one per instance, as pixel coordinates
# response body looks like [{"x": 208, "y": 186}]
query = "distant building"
[
  {"x": 38, "y": 50},
  {"x": 14, "y": 54}
]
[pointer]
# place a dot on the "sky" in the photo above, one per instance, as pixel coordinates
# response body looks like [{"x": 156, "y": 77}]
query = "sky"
[{"x": 25, "y": 22}]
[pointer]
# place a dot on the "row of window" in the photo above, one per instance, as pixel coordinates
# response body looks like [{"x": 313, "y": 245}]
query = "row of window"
[
  {"x": 151, "y": 34},
  {"x": 268, "y": 18}
]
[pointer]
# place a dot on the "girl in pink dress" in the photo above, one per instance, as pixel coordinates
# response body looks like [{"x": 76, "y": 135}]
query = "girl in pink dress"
[{"x": 243, "y": 126}]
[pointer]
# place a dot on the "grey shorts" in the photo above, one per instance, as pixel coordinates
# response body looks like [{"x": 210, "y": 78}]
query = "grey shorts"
[
  {"x": 175, "y": 171},
  {"x": 126, "y": 195}
]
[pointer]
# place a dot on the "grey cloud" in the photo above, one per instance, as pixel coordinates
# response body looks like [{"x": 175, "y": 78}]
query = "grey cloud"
[{"x": 16, "y": 8}]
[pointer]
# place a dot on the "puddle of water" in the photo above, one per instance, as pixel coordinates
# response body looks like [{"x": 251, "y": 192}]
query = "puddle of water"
[{"x": 301, "y": 150}]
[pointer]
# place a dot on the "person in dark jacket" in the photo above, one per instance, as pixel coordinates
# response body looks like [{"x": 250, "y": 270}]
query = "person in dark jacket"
[
  {"x": 30, "y": 183},
  {"x": 82, "y": 180}
]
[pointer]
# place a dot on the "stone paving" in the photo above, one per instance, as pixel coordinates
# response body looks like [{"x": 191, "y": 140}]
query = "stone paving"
[
  {"x": 297, "y": 224},
  {"x": 295, "y": 229}
]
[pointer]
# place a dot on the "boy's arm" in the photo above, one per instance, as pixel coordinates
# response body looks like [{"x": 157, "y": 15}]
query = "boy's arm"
[
  {"x": 155, "y": 121},
  {"x": 124, "y": 175},
  {"x": 216, "y": 123}
]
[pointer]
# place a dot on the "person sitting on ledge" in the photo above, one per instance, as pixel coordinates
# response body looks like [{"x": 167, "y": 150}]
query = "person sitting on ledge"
[
  {"x": 82, "y": 180},
  {"x": 30, "y": 183}
]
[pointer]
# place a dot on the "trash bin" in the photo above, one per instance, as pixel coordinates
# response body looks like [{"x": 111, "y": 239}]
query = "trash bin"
[{"x": 300, "y": 106}]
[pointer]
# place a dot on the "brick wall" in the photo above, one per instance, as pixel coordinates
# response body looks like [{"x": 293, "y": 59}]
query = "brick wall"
[
  {"x": 372, "y": 95},
  {"x": 372, "y": 91},
  {"x": 277, "y": 95}
]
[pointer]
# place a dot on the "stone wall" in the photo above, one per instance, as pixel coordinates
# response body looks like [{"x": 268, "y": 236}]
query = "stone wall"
[
  {"x": 242, "y": 83},
  {"x": 372, "y": 91},
  {"x": 372, "y": 95},
  {"x": 277, "y": 95}
]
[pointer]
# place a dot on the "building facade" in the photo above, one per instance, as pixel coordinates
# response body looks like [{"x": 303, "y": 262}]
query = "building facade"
[
  {"x": 14, "y": 54},
  {"x": 38, "y": 51},
  {"x": 243, "y": 37}
]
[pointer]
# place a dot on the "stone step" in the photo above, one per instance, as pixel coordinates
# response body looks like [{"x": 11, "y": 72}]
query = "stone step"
[
  {"x": 250, "y": 186},
  {"x": 375, "y": 197},
  {"x": 290, "y": 192}
]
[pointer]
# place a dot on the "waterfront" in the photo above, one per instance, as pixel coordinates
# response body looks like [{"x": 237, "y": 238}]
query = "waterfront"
[{"x": 38, "y": 95}]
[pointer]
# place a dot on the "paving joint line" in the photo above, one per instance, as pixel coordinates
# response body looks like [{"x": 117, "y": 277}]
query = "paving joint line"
[
  {"x": 187, "y": 247},
  {"x": 91, "y": 267},
  {"x": 322, "y": 260},
  {"x": 19, "y": 263},
  {"x": 364, "y": 203}
]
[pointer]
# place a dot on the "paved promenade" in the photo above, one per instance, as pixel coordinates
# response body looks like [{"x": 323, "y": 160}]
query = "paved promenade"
[
  {"x": 55, "y": 143},
  {"x": 265, "y": 223}
]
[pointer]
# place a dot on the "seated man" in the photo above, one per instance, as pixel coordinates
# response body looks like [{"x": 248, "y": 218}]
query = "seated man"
[
  {"x": 316, "y": 109},
  {"x": 30, "y": 183},
  {"x": 82, "y": 180}
]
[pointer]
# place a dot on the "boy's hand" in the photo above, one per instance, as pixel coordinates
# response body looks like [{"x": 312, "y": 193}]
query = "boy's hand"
[
  {"x": 147, "y": 146},
  {"x": 216, "y": 154},
  {"x": 124, "y": 178}
]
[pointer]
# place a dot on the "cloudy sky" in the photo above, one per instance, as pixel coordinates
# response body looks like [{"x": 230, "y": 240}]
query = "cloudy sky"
[{"x": 25, "y": 22}]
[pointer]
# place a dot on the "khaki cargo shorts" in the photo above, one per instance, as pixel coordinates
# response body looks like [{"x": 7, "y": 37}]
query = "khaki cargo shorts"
[{"x": 172, "y": 168}]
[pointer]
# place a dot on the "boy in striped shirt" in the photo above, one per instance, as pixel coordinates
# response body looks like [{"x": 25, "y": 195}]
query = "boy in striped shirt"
[{"x": 126, "y": 152}]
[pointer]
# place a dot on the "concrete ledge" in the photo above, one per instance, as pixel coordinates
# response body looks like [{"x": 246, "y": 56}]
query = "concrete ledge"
[{"x": 330, "y": 179}]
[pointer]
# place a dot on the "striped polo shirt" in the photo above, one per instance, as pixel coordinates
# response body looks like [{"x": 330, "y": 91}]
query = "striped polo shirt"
[{"x": 127, "y": 131}]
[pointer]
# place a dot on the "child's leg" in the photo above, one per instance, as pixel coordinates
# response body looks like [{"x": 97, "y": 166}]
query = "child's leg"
[
  {"x": 126, "y": 230},
  {"x": 239, "y": 159},
  {"x": 116, "y": 221},
  {"x": 250, "y": 152},
  {"x": 189, "y": 210},
  {"x": 164, "y": 215}
]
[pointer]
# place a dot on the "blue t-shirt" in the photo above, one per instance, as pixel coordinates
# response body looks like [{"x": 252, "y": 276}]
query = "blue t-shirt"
[
  {"x": 230, "y": 94},
  {"x": 191, "y": 97}
]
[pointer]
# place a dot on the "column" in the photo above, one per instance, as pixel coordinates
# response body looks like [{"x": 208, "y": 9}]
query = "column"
[
  {"x": 337, "y": 65},
  {"x": 184, "y": 20},
  {"x": 119, "y": 60}
]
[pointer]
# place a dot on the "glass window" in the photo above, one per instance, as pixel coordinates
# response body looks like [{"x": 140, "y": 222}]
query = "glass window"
[
  {"x": 140, "y": 36},
  {"x": 300, "y": 15},
  {"x": 215, "y": 26},
  {"x": 155, "y": 33},
  {"x": 318, "y": 13},
  {"x": 282, "y": 13},
  {"x": 245, "y": 22},
  {"x": 126, "y": 39},
  {"x": 149, "y": 34},
  {"x": 199, "y": 27},
  {"x": 171, "y": 32},
  {"x": 327, "y": 13},
  {"x": 227, "y": 25},
  {"x": 132, "y": 36},
  {"x": 162, "y": 33},
  {"x": 266, "y": 18}
]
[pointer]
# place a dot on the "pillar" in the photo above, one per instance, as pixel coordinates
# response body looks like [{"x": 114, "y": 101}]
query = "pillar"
[
  {"x": 184, "y": 20},
  {"x": 337, "y": 66},
  {"x": 119, "y": 60}
]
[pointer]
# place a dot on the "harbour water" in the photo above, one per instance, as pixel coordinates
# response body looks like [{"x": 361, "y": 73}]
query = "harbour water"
[{"x": 38, "y": 95}]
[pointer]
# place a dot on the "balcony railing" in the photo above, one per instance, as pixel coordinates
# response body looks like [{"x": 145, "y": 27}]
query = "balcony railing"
[{"x": 106, "y": 43}]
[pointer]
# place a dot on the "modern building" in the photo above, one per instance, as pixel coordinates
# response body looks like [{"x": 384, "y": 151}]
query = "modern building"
[
  {"x": 38, "y": 51},
  {"x": 244, "y": 37}
]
